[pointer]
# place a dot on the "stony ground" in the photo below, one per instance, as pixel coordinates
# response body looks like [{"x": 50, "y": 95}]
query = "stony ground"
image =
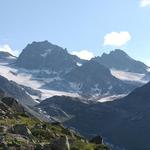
[{"x": 19, "y": 130}]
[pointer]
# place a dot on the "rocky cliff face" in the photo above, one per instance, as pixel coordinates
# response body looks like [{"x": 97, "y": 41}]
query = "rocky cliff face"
[{"x": 44, "y": 55}]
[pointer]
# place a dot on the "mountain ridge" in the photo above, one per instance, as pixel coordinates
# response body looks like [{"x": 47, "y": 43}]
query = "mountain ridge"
[
  {"x": 59, "y": 65},
  {"x": 43, "y": 54},
  {"x": 120, "y": 60},
  {"x": 122, "y": 122}
]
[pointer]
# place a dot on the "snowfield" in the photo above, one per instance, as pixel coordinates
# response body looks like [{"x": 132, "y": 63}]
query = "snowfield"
[
  {"x": 28, "y": 78},
  {"x": 25, "y": 77},
  {"x": 128, "y": 76},
  {"x": 111, "y": 98},
  {"x": 20, "y": 78}
]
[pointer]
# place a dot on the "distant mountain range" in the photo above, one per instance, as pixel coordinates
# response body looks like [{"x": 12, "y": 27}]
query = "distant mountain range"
[
  {"x": 62, "y": 71},
  {"x": 53, "y": 68}
]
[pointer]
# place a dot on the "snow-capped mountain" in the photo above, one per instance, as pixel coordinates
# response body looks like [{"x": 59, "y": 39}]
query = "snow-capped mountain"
[
  {"x": 93, "y": 78},
  {"x": 50, "y": 69},
  {"x": 29, "y": 82},
  {"x": 119, "y": 60},
  {"x": 58, "y": 70},
  {"x": 136, "y": 79},
  {"x": 124, "y": 67}
]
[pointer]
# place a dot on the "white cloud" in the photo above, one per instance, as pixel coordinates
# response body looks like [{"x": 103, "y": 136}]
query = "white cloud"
[
  {"x": 83, "y": 54},
  {"x": 7, "y": 48},
  {"x": 117, "y": 38},
  {"x": 144, "y": 3}
]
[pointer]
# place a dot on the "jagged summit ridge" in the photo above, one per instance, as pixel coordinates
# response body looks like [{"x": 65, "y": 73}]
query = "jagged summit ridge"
[
  {"x": 44, "y": 55},
  {"x": 120, "y": 60}
]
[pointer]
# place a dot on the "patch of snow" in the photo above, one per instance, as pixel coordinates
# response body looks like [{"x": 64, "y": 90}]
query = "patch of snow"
[
  {"x": 110, "y": 87},
  {"x": 34, "y": 97},
  {"x": 75, "y": 87},
  {"x": 51, "y": 93},
  {"x": 11, "y": 57},
  {"x": 20, "y": 78},
  {"x": 26, "y": 78},
  {"x": 49, "y": 80},
  {"x": 47, "y": 52},
  {"x": 128, "y": 76},
  {"x": 49, "y": 72},
  {"x": 79, "y": 64},
  {"x": 35, "y": 100},
  {"x": 96, "y": 89},
  {"x": 111, "y": 98},
  {"x": 148, "y": 69}
]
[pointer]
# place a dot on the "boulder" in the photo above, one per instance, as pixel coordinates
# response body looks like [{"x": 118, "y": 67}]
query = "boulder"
[
  {"x": 12, "y": 103},
  {"x": 56, "y": 123},
  {"x": 3, "y": 107},
  {"x": 3, "y": 129},
  {"x": 21, "y": 129},
  {"x": 2, "y": 113},
  {"x": 60, "y": 143},
  {"x": 3, "y": 146},
  {"x": 97, "y": 140}
]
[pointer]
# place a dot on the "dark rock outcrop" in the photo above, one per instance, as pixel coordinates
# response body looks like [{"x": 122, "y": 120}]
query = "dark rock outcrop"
[
  {"x": 21, "y": 129},
  {"x": 61, "y": 143},
  {"x": 11, "y": 102},
  {"x": 2, "y": 93},
  {"x": 97, "y": 140}
]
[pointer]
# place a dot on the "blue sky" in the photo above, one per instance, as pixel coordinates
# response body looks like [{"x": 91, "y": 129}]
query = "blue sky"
[{"x": 96, "y": 26}]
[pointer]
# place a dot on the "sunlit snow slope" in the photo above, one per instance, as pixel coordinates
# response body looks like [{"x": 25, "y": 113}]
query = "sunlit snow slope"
[{"x": 25, "y": 77}]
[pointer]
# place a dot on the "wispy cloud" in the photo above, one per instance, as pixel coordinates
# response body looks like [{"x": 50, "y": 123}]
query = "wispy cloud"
[
  {"x": 83, "y": 54},
  {"x": 117, "y": 38},
  {"x": 144, "y": 3},
  {"x": 7, "y": 48}
]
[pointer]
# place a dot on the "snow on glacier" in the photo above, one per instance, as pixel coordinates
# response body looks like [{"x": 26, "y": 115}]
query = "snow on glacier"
[
  {"x": 128, "y": 76},
  {"x": 25, "y": 77}
]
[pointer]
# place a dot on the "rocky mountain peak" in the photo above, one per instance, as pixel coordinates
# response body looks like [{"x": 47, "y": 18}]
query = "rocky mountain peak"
[
  {"x": 44, "y": 55},
  {"x": 120, "y": 60}
]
